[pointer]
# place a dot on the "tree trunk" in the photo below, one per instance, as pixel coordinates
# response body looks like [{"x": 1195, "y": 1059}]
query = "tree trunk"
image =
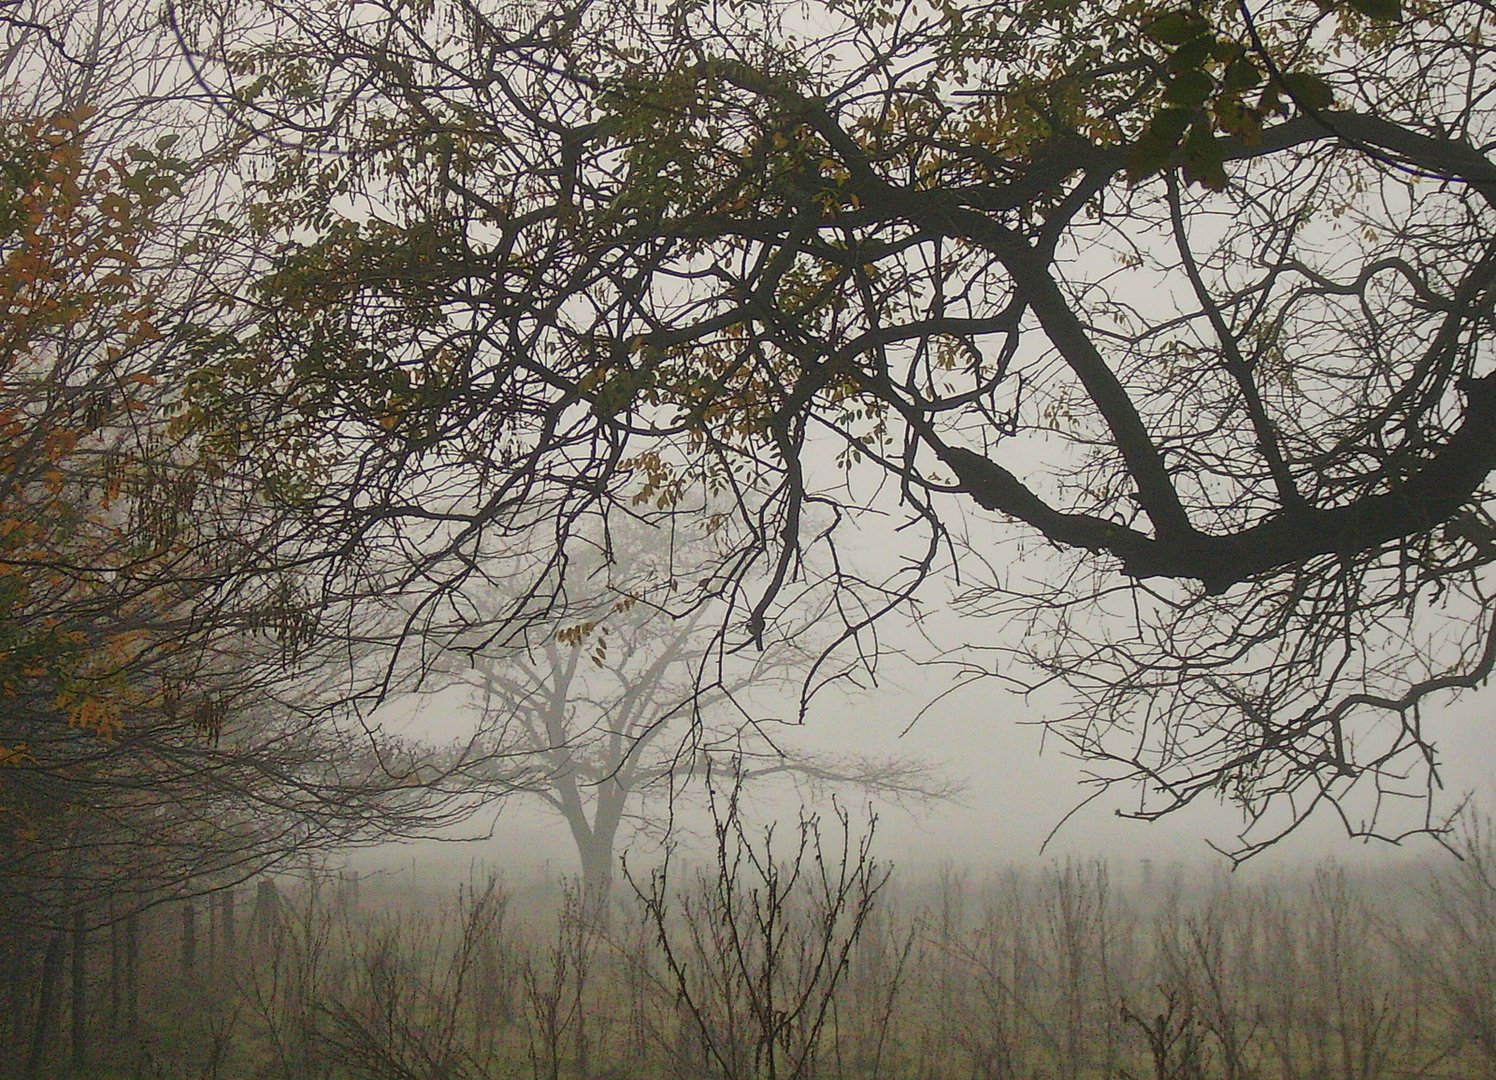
[
  {"x": 595, "y": 840},
  {"x": 46, "y": 1009},
  {"x": 18, "y": 985},
  {"x": 80, "y": 992},
  {"x": 347, "y": 891},
  {"x": 229, "y": 942},
  {"x": 189, "y": 941},
  {"x": 116, "y": 966},
  {"x": 215, "y": 924},
  {"x": 266, "y": 915},
  {"x": 132, "y": 974},
  {"x": 597, "y": 871}
]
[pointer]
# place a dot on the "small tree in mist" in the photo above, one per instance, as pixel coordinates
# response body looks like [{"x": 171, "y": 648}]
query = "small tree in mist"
[{"x": 618, "y": 714}]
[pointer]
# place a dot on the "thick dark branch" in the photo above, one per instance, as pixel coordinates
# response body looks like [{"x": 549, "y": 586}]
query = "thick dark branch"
[
  {"x": 1418, "y": 504},
  {"x": 1448, "y": 158},
  {"x": 1156, "y": 490}
]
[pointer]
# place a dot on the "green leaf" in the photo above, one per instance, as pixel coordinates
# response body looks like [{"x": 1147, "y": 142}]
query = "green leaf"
[
  {"x": 1309, "y": 92},
  {"x": 1192, "y": 55},
  {"x": 1227, "y": 51},
  {"x": 1189, "y": 89},
  {"x": 1156, "y": 145},
  {"x": 1176, "y": 28},
  {"x": 1242, "y": 75},
  {"x": 1203, "y": 161},
  {"x": 1170, "y": 124},
  {"x": 1235, "y": 118},
  {"x": 1390, "y": 10}
]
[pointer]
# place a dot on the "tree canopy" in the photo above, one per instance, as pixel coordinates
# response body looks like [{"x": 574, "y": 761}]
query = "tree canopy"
[
  {"x": 162, "y": 668},
  {"x": 1161, "y": 330}
]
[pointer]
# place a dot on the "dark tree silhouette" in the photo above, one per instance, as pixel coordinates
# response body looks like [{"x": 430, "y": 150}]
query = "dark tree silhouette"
[{"x": 1190, "y": 305}]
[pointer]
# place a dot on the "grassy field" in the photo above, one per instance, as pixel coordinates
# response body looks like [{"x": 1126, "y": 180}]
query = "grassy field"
[{"x": 804, "y": 963}]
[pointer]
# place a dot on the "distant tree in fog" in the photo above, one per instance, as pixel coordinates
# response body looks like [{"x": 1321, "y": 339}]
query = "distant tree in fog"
[{"x": 609, "y": 721}]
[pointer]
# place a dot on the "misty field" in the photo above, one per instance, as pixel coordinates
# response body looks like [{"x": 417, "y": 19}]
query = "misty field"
[{"x": 803, "y": 957}]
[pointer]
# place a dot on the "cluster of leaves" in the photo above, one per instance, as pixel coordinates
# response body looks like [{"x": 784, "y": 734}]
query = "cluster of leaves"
[
  {"x": 88, "y": 507},
  {"x": 96, "y": 556},
  {"x": 164, "y": 720},
  {"x": 1221, "y": 82},
  {"x": 116, "y": 547}
]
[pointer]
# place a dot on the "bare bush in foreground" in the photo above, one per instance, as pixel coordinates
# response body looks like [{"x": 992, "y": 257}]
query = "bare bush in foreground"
[{"x": 760, "y": 947}]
